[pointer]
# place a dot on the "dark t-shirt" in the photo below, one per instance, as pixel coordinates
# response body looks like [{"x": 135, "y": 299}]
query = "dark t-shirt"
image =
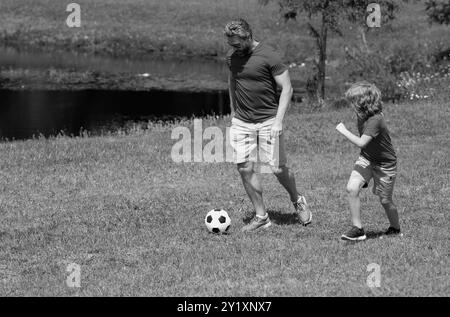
[
  {"x": 256, "y": 97},
  {"x": 379, "y": 150}
]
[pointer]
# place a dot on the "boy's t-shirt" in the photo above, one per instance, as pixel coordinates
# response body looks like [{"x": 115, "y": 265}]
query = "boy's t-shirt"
[
  {"x": 256, "y": 96},
  {"x": 379, "y": 150}
]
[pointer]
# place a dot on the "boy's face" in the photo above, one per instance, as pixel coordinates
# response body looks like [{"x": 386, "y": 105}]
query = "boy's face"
[{"x": 357, "y": 110}]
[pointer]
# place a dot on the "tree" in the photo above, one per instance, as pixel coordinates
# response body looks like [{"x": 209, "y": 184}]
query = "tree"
[
  {"x": 328, "y": 14},
  {"x": 438, "y": 11}
]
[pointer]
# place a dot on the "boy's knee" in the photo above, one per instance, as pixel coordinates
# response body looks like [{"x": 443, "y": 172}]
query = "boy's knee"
[
  {"x": 386, "y": 201},
  {"x": 278, "y": 170},
  {"x": 353, "y": 189},
  {"x": 245, "y": 168}
]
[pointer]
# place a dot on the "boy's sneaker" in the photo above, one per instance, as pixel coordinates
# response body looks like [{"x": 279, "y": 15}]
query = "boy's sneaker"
[
  {"x": 302, "y": 208},
  {"x": 354, "y": 234},
  {"x": 391, "y": 231},
  {"x": 257, "y": 223}
]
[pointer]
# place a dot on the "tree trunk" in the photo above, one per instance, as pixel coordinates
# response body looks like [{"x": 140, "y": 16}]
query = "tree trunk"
[
  {"x": 321, "y": 67},
  {"x": 362, "y": 31}
]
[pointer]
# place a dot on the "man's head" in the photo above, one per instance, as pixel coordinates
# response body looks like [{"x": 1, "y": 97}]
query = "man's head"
[
  {"x": 365, "y": 99},
  {"x": 239, "y": 36}
]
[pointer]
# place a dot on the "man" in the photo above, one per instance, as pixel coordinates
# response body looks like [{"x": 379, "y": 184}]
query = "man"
[{"x": 257, "y": 117}]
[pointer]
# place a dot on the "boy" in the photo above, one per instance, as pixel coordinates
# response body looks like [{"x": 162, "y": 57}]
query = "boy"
[{"x": 377, "y": 159}]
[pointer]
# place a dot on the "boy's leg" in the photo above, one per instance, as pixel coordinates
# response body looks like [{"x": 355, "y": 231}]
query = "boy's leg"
[
  {"x": 354, "y": 185},
  {"x": 391, "y": 213},
  {"x": 384, "y": 180}
]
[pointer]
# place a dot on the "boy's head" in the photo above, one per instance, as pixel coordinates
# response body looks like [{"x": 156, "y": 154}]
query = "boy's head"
[{"x": 365, "y": 99}]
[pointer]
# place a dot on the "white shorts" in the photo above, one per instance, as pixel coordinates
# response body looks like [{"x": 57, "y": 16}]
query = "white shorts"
[{"x": 251, "y": 142}]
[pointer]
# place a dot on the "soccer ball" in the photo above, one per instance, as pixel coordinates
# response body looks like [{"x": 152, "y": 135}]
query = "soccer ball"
[{"x": 217, "y": 221}]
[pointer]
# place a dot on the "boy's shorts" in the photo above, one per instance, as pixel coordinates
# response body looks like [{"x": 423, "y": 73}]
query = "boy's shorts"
[
  {"x": 250, "y": 139},
  {"x": 383, "y": 178}
]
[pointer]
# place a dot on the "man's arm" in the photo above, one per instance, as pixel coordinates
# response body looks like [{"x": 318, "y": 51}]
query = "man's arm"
[
  {"x": 360, "y": 142},
  {"x": 231, "y": 90},
  {"x": 283, "y": 80}
]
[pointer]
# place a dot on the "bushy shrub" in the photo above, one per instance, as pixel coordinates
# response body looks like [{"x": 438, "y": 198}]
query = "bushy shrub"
[
  {"x": 417, "y": 85},
  {"x": 407, "y": 71},
  {"x": 375, "y": 68}
]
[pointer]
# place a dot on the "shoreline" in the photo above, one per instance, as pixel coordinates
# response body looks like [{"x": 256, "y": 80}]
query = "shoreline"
[{"x": 69, "y": 80}]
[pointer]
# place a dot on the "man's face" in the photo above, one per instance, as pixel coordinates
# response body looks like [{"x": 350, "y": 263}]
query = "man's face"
[{"x": 240, "y": 45}]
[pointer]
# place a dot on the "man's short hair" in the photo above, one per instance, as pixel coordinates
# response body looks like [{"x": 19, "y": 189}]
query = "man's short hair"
[
  {"x": 238, "y": 27},
  {"x": 365, "y": 98}
]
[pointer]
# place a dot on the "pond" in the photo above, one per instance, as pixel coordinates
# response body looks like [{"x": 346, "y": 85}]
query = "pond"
[
  {"x": 27, "y": 113},
  {"x": 24, "y": 114}
]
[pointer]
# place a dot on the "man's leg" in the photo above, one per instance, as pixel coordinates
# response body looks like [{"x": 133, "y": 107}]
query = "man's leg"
[
  {"x": 287, "y": 180},
  {"x": 272, "y": 152},
  {"x": 252, "y": 186}
]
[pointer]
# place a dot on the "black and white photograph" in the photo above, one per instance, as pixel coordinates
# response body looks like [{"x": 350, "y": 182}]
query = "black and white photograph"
[{"x": 225, "y": 154}]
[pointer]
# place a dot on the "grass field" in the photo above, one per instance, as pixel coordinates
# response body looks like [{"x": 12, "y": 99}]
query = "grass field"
[{"x": 132, "y": 219}]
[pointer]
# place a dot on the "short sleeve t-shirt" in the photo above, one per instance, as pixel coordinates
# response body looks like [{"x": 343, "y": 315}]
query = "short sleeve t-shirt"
[
  {"x": 256, "y": 96},
  {"x": 379, "y": 150}
]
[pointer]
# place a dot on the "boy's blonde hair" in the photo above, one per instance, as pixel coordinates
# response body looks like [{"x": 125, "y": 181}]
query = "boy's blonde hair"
[{"x": 365, "y": 98}]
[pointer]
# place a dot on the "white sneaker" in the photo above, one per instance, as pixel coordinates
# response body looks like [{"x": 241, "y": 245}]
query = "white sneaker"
[{"x": 302, "y": 208}]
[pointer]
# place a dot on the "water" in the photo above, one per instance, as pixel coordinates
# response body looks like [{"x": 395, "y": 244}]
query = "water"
[{"x": 24, "y": 114}]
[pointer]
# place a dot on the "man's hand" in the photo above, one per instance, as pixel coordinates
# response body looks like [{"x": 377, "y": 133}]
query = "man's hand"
[
  {"x": 341, "y": 128},
  {"x": 276, "y": 130}
]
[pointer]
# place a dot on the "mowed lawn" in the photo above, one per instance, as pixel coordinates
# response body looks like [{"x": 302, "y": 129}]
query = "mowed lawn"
[{"x": 133, "y": 220}]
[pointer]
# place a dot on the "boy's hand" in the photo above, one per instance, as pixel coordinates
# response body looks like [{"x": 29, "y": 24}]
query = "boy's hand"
[{"x": 341, "y": 127}]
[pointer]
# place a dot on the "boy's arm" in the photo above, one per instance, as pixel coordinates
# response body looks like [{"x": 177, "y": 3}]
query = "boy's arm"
[
  {"x": 283, "y": 80},
  {"x": 231, "y": 90},
  {"x": 360, "y": 142}
]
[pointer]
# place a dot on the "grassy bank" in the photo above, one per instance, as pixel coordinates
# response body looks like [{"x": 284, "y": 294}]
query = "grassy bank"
[
  {"x": 135, "y": 28},
  {"x": 64, "y": 79},
  {"x": 132, "y": 219},
  {"x": 181, "y": 29}
]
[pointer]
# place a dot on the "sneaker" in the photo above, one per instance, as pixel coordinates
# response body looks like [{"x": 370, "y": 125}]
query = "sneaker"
[
  {"x": 302, "y": 208},
  {"x": 354, "y": 234},
  {"x": 257, "y": 223},
  {"x": 391, "y": 231}
]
